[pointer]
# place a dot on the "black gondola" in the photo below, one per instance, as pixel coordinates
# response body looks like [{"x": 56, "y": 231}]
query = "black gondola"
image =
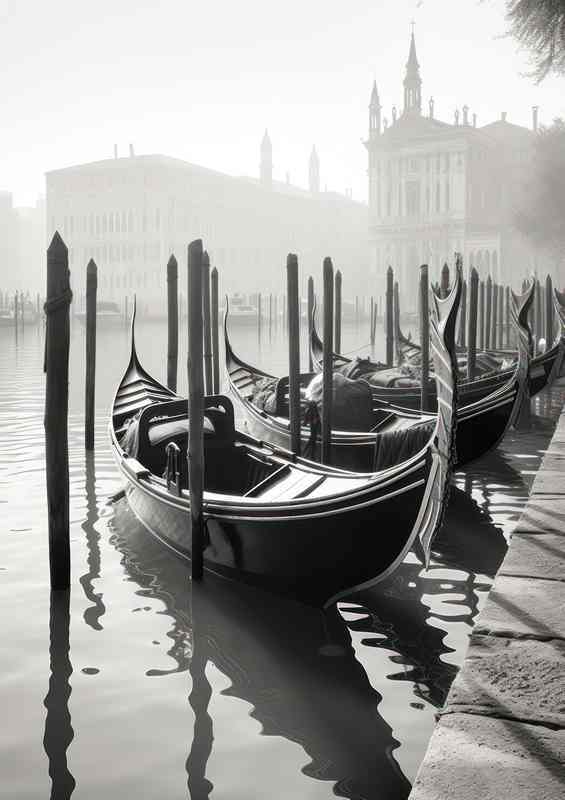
[
  {"x": 544, "y": 368},
  {"x": 480, "y": 425},
  {"x": 274, "y": 519}
]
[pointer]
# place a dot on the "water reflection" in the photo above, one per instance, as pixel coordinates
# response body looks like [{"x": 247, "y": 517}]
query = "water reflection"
[
  {"x": 94, "y": 612},
  {"x": 58, "y": 728},
  {"x": 295, "y": 666}
]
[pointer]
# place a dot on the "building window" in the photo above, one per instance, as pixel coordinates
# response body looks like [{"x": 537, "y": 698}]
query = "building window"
[
  {"x": 412, "y": 198},
  {"x": 447, "y": 162},
  {"x": 414, "y": 165},
  {"x": 447, "y": 195},
  {"x": 111, "y": 223},
  {"x": 438, "y": 198}
]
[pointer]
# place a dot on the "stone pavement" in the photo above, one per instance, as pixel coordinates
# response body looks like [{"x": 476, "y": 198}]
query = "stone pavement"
[{"x": 502, "y": 731}]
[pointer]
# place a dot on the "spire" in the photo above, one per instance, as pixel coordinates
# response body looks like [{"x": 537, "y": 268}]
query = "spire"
[
  {"x": 412, "y": 81},
  {"x": 314, "y": 172},
  {"x": 266, "y": 166},
  {"x": 374, "y": 113}
]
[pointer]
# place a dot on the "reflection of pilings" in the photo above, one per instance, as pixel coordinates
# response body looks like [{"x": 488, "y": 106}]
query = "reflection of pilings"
[
  {"x": 58, "y": 729},
  {"x": 198, "y": 785},
  {"x": 93, "y": 613}
]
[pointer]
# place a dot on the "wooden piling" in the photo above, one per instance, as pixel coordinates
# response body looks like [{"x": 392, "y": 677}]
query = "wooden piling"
[
  {"x": 500, "y": 323},
  {"x": 356, "y": 312},
  {"x": 215, "y": 332},
  {"x": 38, "y": 308},
  {"x": 259, "y": 313},
  {"x": 270, "y": 316},
  {"x": 481, "y": 323},
  {"x": 90, "y": 387},
  {"x": 507, "y": 316},
  {"x": 424, "y": 337},
  {"x": 195, "y": 453},
  {"x": 310, "y": 318},
  {"x": 371, "y": 337},
  {"x": 327, "y": 386},
  {"x": 293, "y": 351},
  {"x": 338, "y": 311},
  {"x": 494, "y": 318},
  {"x": 549, "y": 323},
  {"x": 444, "y": 284},
  {"x": 206, "y": 322},
  {"x": 539, "y": 321},
  {"x": 126, "y": 310},
  {"x": 57, "y": 341},
  {"x": 488, "y": 312},
  {"x": 463, "y": 316},
  {"x": 16, "y": 312},
  {"x": 172, "y": 323},
  {"x": 389, "y": 318},
  {"x": 472, "y": 330}
]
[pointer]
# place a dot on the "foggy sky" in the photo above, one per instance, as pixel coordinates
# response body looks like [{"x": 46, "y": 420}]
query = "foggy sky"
[{"x": 201, "y": 81}]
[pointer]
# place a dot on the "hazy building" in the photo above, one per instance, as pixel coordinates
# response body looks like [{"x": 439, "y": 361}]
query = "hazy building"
[
  {"x": 437, "y": 187},
  {"x": 131, "y": 213},
  {"x": 22, "y": 246}
]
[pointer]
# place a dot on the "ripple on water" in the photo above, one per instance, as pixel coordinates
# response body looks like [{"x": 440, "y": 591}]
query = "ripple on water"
[{"x": 178, "y": 688}]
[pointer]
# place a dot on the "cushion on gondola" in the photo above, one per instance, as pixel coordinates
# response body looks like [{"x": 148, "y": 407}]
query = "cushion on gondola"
[
  {"x": 352, "y": 402},
  {"x": 167, "y": 430},
  {"x": 393, "y": 447}
]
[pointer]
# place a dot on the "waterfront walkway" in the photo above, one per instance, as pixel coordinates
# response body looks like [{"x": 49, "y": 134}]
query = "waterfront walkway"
[{"x": 502, "y": 731}]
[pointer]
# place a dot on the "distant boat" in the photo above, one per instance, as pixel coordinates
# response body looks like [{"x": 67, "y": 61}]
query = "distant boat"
[{"x": 108, "y": 314}]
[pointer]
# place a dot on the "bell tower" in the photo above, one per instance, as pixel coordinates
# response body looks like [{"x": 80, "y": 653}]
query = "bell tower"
[
  {"x": 412, "y": 81},
  {"x": 266, "y": 165},
  {"x": 374, "y": 113}
]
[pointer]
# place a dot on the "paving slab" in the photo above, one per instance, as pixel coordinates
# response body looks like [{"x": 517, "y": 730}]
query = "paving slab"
[
  {"x": 524, "y": 607},
  {"x": 554, "y": 462},
  {"x": 472, "y": 757},
  {"x": 543, "y": 514},
  {"x": 549, "y": 481},
  {"x": 535, "y": 556},
  {"x": 524, "y": 680}
]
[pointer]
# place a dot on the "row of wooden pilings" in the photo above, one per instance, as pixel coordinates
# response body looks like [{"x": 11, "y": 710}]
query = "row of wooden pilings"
[{"x": 484, "y": 323}]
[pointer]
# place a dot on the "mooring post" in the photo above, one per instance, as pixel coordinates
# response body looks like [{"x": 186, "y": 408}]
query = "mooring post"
[
  {"x": 507, "y": 316},
  {"x": 424, "y": 337},
  {"x": 215, "y": 332},
  {"x": 57, "y": 340},
  {"x": 481, "y": 324},
  {"x": 206, "y": 322},
  {"x": 38, "y": 308},
  {"x": 396, "y": 310},
  {"x": 172, "y": 322},
  {"x": 338, "y": 305},
  {"x": 389, "y": 318},
  {"x": 488, "y": 312},
  {"x": 371, "y": 337},
  {"x": 548, "y": 312},
  {"x": 463, "y": 315},
  {"x": 293, "y": 351},
  {"x": 16, "y": 311},
  {"x": 356, "y": 312},
  {"x": 276, "y": 312},
  {"x": 90, "y": 388},
  {"x": 310, "y": 319},
  {"x": 327, "y": 378},
  {"x": 444, "y": 285},
  {"x": 126, "y": 310},
  {"x": 195, "y": 453},
  {"x": 270, "y": 316},
  {"x": 259, "y": 312},
  {"x": 472, "y": 337},
  {"x": 539, "y": 320},
  {"x": 494, "y": 319},
  {"x": 500, "y": 325}
]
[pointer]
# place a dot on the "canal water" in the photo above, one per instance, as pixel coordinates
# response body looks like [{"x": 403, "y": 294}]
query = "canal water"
[{"x": 139, "y": 685}]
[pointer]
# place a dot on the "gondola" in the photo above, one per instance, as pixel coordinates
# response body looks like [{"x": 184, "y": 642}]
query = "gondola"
[
  {"x": 544, "y": 368},
  {"x": 273, "y": 519},
  {"x": 480, "y": 425}
]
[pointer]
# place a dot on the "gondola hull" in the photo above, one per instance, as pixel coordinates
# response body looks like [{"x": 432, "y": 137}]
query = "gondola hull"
[{"x": 314, "y": 555}]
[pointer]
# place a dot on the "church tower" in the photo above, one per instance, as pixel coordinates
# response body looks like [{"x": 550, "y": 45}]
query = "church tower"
[
  {"x": 412, "y": 82},
  {"x": 374, "y": 113},
  {"x": 266, "y": 166},
  {"x": 314, "y": 172}
]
